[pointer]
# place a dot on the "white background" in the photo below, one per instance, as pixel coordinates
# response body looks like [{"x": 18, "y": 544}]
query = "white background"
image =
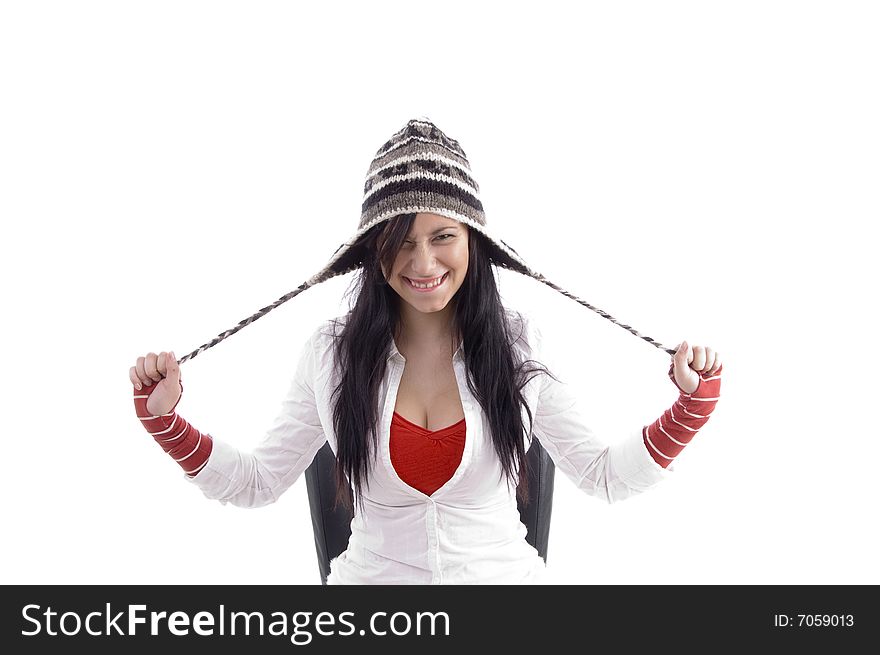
[{"x": 701, "y": 171}]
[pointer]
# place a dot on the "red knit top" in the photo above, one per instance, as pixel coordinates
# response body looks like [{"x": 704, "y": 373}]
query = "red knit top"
[{"x": 425, "y": 460}]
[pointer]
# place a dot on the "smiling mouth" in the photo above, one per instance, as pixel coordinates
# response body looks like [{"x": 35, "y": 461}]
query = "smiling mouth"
[{"x": 435, "y": 285}]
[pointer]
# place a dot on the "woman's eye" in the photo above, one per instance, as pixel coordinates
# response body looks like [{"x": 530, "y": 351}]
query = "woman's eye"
[{"x": 409, "y": 243}]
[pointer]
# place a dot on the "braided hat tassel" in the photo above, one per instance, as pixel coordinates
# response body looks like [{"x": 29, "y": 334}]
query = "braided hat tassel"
[
  {"x": 312, "y": 282},
  {"x": 419, "y": 169}
]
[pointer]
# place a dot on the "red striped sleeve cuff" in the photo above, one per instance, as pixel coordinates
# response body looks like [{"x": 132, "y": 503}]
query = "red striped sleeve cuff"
[
  {"x": 184, "y": 443},
  {"x": 666, "y": 437}
]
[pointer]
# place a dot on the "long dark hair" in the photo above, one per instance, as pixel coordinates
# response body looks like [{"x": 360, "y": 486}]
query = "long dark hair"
[{"x": 496, "y": 377}]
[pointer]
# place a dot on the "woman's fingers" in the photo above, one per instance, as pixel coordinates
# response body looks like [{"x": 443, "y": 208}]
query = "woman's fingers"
[
  {"x": 699, "y": 360},
  {"x": 150, "y": 367},
  {"x": 705, "y": 360},
  {"x": 133, "y": 376},
  {"x": 141, "y": 372},
  {"x": 710, "y": 359}
]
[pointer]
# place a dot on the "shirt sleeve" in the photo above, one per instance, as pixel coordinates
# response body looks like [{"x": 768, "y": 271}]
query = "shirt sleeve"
[
  {"x": 259, "y": 477},
  {"x": 610, "y": 471}
]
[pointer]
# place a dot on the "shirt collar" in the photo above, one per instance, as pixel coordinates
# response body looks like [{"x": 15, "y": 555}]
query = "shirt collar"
[{"x": 394, "y": 351}]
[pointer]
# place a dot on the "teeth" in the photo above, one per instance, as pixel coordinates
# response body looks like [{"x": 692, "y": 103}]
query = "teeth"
[{"x": 426, "y": 286}]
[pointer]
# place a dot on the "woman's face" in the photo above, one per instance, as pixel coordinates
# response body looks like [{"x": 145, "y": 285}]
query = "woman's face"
[{"x": 436, "y": 249}]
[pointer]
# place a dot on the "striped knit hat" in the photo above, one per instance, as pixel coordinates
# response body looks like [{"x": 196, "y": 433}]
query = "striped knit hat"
[{"x": 418, "y": 170}]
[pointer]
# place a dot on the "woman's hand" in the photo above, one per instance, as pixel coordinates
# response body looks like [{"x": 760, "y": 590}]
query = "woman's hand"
[
  {"x": 164, "y": 371},
  {"x": 689, "y": 363}
]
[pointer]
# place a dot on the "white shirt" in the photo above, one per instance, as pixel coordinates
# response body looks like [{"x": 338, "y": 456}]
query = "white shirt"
[{"x": 468, "y": 531}]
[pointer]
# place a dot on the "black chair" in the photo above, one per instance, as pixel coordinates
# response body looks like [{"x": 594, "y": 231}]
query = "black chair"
[{"x": 333, "y": 528}]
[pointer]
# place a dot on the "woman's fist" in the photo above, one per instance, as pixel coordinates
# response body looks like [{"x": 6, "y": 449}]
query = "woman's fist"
[
  {"x": 689, "y": 363},
  {"x": 160, "y": 374}
]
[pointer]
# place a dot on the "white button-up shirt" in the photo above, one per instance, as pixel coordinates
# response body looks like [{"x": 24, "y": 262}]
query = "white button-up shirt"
[{"x": 468, "y": 531}]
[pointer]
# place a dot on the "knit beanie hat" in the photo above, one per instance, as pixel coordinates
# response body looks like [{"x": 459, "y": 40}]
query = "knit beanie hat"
[{"x": 418, "y": 170}]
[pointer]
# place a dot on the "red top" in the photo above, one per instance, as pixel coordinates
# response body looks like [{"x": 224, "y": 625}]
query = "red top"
[{"x": 425, "y": 460}]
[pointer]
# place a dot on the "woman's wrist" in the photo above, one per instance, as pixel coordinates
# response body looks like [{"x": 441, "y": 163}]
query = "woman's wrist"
[
  {"x": 666, "y": 437},
  {"x": 183, "y": 442}
]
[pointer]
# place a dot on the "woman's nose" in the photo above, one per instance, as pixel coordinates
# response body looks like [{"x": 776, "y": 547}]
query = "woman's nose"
[
  {"x": 423, "y": 258},
  {"x": 423, "y": 250}
]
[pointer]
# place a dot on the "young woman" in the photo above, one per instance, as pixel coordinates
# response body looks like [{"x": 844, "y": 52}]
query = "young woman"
[{"x": 429, "y": 392}]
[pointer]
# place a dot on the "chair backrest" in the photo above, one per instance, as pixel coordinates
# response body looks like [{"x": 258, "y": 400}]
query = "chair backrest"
[{"x": 332, "y": 528}]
